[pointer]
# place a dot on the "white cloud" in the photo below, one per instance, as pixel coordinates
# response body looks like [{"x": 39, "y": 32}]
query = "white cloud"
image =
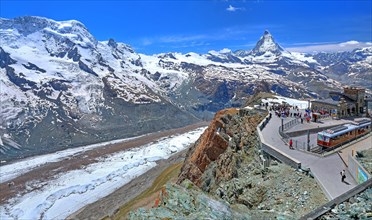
[
  {"x": 172, "y": 39},
  {"x": 347, "y": 43},
  {"x": 178, "y": 39},
  {"x": 190, "y": 44},
  {"x": 232, "y": 8},
  {"x": 332, "y": 47},
  {"x": 225, "y": 50}
]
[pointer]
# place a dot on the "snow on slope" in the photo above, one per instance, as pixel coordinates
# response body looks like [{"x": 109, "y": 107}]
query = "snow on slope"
[
  {"x": 11, "y": 171},
  {"x": 293, "y": 102},
  {"x": 302, "y": 57},
  {"x": 47, "y": 52},
  {"x": 68, "y": 192}
]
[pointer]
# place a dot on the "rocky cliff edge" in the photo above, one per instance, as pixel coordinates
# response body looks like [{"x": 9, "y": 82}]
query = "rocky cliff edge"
[{"x": 218, "y": 150}]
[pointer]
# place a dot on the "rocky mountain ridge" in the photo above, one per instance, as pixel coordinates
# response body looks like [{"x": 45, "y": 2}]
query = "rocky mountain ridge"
[
  {"x": 56, "y": 76},
  {"x": 349, "y": 66},
  {"x": 222, "y": 178}
]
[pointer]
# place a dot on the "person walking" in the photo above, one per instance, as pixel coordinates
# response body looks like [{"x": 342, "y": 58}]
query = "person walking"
[
  {"x": 343, "y": 176},
  {"x": 290, "y": 144}
]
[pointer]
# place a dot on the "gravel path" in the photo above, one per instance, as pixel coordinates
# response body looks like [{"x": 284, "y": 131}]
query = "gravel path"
[{"x": 50, "y": 170}]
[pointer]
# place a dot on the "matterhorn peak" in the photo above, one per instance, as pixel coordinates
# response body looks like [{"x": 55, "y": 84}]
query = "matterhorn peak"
[
  {"x": 267, "y": 33},
  {"x": 267, "y": 44}
]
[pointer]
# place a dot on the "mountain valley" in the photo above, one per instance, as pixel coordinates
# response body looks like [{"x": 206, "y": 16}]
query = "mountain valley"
[{"x": 55, "y": 76}]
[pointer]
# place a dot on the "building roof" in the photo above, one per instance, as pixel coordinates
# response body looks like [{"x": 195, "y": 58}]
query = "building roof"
[
  {"x": 333, "y": 102},
  {"x": 328, "y": 101},
  {"x": 338, "y": 95}
]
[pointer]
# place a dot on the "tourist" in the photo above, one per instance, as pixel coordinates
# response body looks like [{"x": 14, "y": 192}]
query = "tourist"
[
  {"x": 343, "y": 176},
  {"x": 290, "y": 144}
]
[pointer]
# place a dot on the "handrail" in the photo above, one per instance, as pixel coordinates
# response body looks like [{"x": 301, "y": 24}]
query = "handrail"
[
  {"x": 263, "y": 124},
  {"x": 287, "y": 126},
  {"x": 272, "y": 151}
]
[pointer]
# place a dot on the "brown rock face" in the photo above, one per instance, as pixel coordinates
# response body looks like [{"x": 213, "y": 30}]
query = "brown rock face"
[{"x": 217, "y": 152}]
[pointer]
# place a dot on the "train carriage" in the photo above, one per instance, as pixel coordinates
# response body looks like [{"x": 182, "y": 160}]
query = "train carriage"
[{"x": 342, "y": 134}]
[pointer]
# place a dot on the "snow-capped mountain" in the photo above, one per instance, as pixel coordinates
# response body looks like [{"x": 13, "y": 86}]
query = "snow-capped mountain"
[
  {"x": 56, "y": 77},
  {"x": 266, "y": 45},
  {"x": 349, "y": 67},
  {"x": 61, "y": 87}
]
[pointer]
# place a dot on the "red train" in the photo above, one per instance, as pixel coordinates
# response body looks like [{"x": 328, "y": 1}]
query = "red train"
[{"x": 342, "y": 134}]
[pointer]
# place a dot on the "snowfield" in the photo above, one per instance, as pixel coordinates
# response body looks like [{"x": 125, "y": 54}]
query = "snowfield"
[
  {"x": 14, "y": 170},
  {"x": 70, "y": 191},
  {"x": 293, "y": 102}
]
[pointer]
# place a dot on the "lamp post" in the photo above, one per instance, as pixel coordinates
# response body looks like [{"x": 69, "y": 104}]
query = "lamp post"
[
  {"x": 308, "y": 140},
  {"x": 282, "y": 123}
]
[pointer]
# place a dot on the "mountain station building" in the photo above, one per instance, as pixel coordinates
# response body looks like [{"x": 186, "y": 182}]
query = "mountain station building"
[{"x": 350, "y": 102}]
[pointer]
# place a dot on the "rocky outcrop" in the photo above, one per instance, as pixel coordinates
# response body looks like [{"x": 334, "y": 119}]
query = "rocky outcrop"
[
  {"x": 176, "y": 202},
  {"x": 222, "y": 178},
  {"x": 5, "y": 59},
  {"x": 217, "y": 150},
  {"x": 356, "y": 207}
]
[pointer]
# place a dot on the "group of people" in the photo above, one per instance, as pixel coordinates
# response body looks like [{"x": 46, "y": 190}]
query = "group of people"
[
  {"x": 281, "y": 110},
  {"x": 285, "y": 111}
]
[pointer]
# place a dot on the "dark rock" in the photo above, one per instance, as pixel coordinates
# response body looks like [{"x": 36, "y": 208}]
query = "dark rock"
[
  {"x": 112, "y": 43},
  {"x": 32, "y": 66},
  {"x": 20, "y": 81},
  {"x": 74, "y": 55},
  {"x": 5, "y": 59},
  {"x": 85, "y": 68}
]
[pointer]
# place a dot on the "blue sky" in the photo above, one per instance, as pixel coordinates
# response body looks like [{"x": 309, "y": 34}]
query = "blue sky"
[{"x": 199, "y": 26}]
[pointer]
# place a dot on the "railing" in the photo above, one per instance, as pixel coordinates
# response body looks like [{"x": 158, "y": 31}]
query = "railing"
[
  {"x": 281, "y": 156},
  {"x": 300, "y": 145},
  {"x": 272, "y": 151},
  {"x": 291, "y": 124},
  {"x": 287, "y": 126},
  {"x": 264, "y": 123}
]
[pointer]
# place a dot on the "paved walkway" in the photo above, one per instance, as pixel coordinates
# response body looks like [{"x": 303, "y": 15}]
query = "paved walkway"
[{"x": 325, "y": 169}]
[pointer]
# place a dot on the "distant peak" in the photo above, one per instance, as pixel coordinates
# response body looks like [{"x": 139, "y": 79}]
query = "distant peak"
[
  {"x": 112, "y": 43},
  {"x": 26, "y": 25},
  {"x": 267, "y": 44},
  {"x": 34, "y": 23}
]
